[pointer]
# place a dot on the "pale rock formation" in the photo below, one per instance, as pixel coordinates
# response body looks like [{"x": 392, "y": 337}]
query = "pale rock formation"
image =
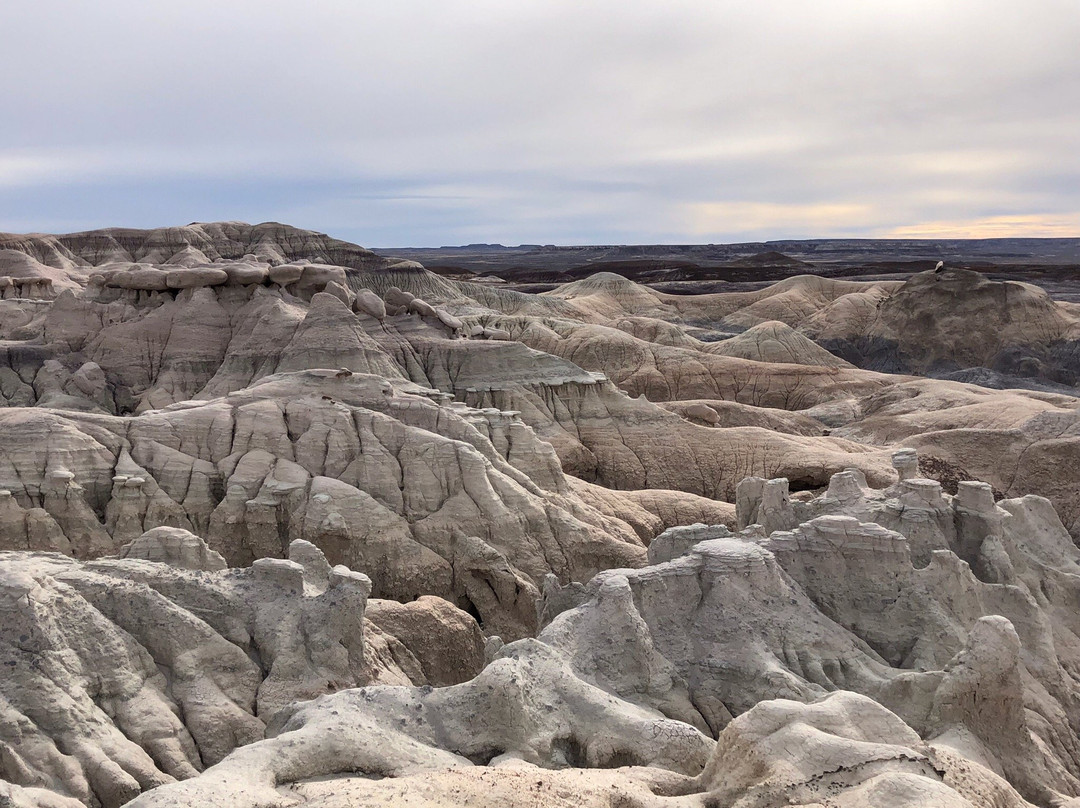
[
  {"x": 906, "y": 463},
  {"x": 447, "y": 643},
  {"x": 285, "y": 274},
  {"x": 246, "y": 274},
  {"x": 22, "y": 275},
  {"x": 340, "y": 292},
  {"x": 32, "y": 288},
  {"x": 844, "y": 750},
  {"x": 192, "y": 278},
  {"x": 842, "y": 601},
  {"x": 315, "y": 278},
  {"x": 397, "y": 301},
  {"x": 310, "y": 410},
  {"x": 395, "y": 732},
  {"x": 450, "y": 321},
  {"x": 671, "y": 373},
  {"x": 432, "y": 746},
  {"x": 727, "y": 414},
  {"x": 603, "y": 436},
  {"x": 143, "y": 277},
  {"x": 125, "y": 674},
  {"x": 369, "y": 303},
  {"x": 30, "y": 528},
  {"x": 198, "y": 243},
  {"x": 766, "y": 503},
  {"x": 956, "y": 318},
  {"x": 677, "y": 541},
  {"x": 775, "y": 342},
  {"x": 199, "y": 347},
  {"x": 421, "y": 307},
  {"x": 378, "y": 477},
  {"x": 176, "y": 547},
  {"x": 19, "y": 797}
]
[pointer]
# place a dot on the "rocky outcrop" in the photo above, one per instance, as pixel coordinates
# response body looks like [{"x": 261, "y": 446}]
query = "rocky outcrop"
[
  {"x": 950, "y": 319},
  {"x": 122, "y": 675},
  {"x": 662, "y": 372},
  {"x": 269, "y": 242},
  {"x": 176, "y": 547},
  {"x": 775, "y": 342},
  {"x": 632, "y": 637},
  {"x": 526, "y": 706},
  {"x": 148, "y": 348},
  {"x": 446, "y": 642},
  {"x": 836, "y": 599},
  {"x": 381, "y": 478},
  {"x": 843, "y": 750},
  {"x": 288, "y": 523}
]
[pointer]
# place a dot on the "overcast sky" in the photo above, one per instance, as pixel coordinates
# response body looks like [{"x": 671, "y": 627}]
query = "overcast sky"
[{"x": 415, "y": 123}]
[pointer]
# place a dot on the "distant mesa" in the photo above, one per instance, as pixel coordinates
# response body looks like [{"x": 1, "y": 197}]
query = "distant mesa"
[{"x": 768, "y": 259}]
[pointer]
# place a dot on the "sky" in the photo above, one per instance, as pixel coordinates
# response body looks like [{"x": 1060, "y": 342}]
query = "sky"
[{"x": 416, "y": 123}]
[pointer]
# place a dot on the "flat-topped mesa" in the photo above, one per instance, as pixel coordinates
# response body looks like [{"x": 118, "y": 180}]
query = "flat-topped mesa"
[{"x": 193, "y": 244}]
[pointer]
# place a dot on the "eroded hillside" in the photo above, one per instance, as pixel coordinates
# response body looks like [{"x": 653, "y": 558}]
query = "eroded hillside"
[{"x": 262, "y": 490}]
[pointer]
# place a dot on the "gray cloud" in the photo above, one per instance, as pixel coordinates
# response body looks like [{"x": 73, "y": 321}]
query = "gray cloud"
[{"x": 427, "y": 123}]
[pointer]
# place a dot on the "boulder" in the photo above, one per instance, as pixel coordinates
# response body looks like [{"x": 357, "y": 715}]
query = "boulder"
[{"x": 194, "y": 277}]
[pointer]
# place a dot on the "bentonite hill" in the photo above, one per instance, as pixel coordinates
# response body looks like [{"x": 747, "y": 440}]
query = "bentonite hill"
[{"x": 285, "y": 522}]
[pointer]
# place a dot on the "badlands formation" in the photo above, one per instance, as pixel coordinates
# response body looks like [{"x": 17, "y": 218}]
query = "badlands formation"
[{"x": 287, "y": 523}]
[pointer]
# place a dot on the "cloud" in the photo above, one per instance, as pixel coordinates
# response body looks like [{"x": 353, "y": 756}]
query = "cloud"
[
  {"x": 754, "y": 220},
  {"x": 1018, "y": 226},
  {"x": 541, "y": 120}
]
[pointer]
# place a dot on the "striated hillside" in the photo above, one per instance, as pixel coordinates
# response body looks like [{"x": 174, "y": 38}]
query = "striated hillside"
[{"x": 283, "y": 522}]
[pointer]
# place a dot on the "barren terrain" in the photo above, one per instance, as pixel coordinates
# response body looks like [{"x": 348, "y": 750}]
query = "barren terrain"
[{"x": 285, "y": 521}]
